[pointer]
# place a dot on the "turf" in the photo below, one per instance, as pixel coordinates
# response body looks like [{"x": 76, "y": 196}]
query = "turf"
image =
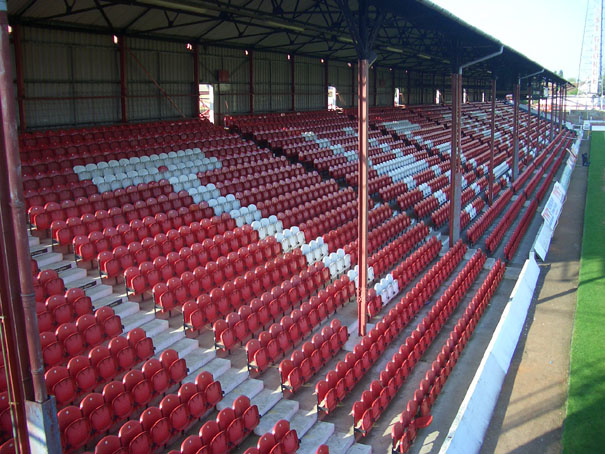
[{"x": 584, "y": 427}]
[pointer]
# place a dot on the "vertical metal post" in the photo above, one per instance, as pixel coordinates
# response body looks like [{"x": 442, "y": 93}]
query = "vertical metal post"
[
  {"x": 292, "y": 84},
  {"x": 196, "y": 80},
  {"x": 552, "y": 109},
  {"x": 326, "y": 84},
  {"x": 561, "y": 108},
  {"x": 20, "y": 78},
  {"x": 123, "y": 91},
  {"x": 393, "y": 85},
  {"x": 251, "y": 79},
  {"x": 492, "y": 144},
  {"x": 456, "y": 178},
  {"x": 353, "y": 74},
  {"x": 408, "y": 87},
  {"x": 516, "y": 96},
  {"x": 362, "y": 104},
  {"x": 538, "y": 145},
  {"x": 555, "y": 98},
  {"x": 528, "y": 135},
  {"x": 565, "y": 106},
  {"x": 374, "y": 86}
]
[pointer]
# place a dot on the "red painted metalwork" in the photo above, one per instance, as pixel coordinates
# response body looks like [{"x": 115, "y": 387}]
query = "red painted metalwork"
[
  {"x": 353, "y": 74},
  {"x": 528, "y": 140},
  {"x": 393, "y": 85},
  {"x": 362, "y": 103},
  {"x": 196, "y": 80},
  {"x": 326, "y": 84},
  {"x": 123, "y": 88},
  {"x": 491, "y": 145},
  {"x": 251, "y": 80},
  {"x": 292, "y": 83},
  {"x": 19, "y": 75},
  {"x": 374, "y": 87},
  {"x": 19, "y": 320},
  {"x": 455, "y": 165},
  {"x": 516, "y": 96},
  {"x": 538, "y": 145}
]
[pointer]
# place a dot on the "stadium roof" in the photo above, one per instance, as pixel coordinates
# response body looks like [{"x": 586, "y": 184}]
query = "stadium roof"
[{"x": 415, "y": 34}]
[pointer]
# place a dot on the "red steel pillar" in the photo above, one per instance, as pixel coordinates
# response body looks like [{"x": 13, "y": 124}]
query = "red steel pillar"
[
  {"x": 251, "y": 80},
  {"x": 516, "y": 96},
  {"x": 292, "y": 85},
  {"x": 196, "y": 81},
  {"x": 375, "y": 86},
  {"x": 552, "y": 109},
  {"x": 19, "y": 74},
  {"x": 538, "y": 145},
  {"x": 528, "y": 135},
  {"x": 565, "y": 106},
  {"x": 326, "y": 84},
  {"x": 123, "y": 92},
  {"x": 455, "y": 166},
  {"x": 362, "y": 106},
  {"x": 491, "y": 145},
  {"x": 19, "y": 319}
]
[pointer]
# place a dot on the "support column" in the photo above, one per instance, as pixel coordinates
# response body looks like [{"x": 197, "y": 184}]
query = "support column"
[
  {"x": 325, "y": 84},
  {"x": 375, "y": 86},
  {"x": 565, "y": 107},
  {"x": 490, "y": 180},
  {"x": 196, "y": 81},
  {"x": 123, "y": 92},
  {"x": 552, "y": 110},
  {"x": 292, "y": 84},
  {"x": 528, "y": 141},
  {"x": 251, "y": 79},
  {"x": 393, "y": 86},
  {"x": 362, "y": 184},
  {"x": 516, "y": 96},
  {"x": 538, "y": 144},
  {"x": 352, "y": 85},
  {"x": 455, "y": 167},
  {"x": 561, "y": 107},
  {"x": 20, "y": 78},
  {"x": 19, "y": 320}
]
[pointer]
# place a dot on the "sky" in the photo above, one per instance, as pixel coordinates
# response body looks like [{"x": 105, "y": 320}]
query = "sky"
[{"x": 546, "y": 31}]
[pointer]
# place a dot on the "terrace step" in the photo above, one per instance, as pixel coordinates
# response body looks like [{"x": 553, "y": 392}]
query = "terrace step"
[{"x": 285, "y": 409}]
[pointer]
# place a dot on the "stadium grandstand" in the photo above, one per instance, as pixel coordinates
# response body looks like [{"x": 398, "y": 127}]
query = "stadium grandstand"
[{"x": 261, "y": 226}]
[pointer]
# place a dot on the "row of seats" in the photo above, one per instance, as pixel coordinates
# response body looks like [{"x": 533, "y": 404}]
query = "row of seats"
[
  {"x": 339, "y": 384},
  {"x": 281, "y": 440},
  {"x": 252, "y": 293},
  {"x": 283, "y": 186},
  {"x": 231, "y": 426},
  {"x": 407, "y": 270},
  {"x": 394, "y": 251},
  {"x": 270, "y": 346},
  {"x": 495, "y": 237},
  {"x": 42, "y": 216},
  {"x": 513, "y": 242},
  {"x": 344, "y": 233},
  {"x": 476, "y": 231},
  {"x": 417, "y": 412},
  {"x": 71, "y": 339},
  {"x": 312, "y": 356},
  {"x": 375, "y": 400},
  {"x": 66, "y": 308},
  {"x": 380, "y": 235},
  {"x": 195, "y": 278},
  {"x": 321, "y": 190},
  {"x": 235, "y": 329},
  {"x": 442, "y": 215}
]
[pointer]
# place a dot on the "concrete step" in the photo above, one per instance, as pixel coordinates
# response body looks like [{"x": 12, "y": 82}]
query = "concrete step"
[
  {"x": 217, "y": 367},
  {"x": 85, "y": 283},
  {"x": 358, "y": 448},
  {"x": 302, "y": 421},
  {"x": 39, "y": 249},
  {"x": 126, "y": 309},
  {"x": 72, "y": 275},
  {"x": 354, "y": 337},
  {"x": 198, "y": 357},
  {"x": 58, "y": 266},
  {"x": 267, "y": 399},
  {"x": 231, "y": 378},
  {"x": 285, "y": 409},
  {"x": 119, "y": 303},
  {"x": 33, "y": 240},
  {"x": 166, "y": 339},
  {"x": 319, "y": 434},
  {"x": 184, "y": 347},
  {"x": 145, "y": 318},
  {"x": 339, "y": 442},
  {"x": 249, "y": 388},
  {"x": 47, "y": 259},
  {"x": 98, "y": 292}
]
